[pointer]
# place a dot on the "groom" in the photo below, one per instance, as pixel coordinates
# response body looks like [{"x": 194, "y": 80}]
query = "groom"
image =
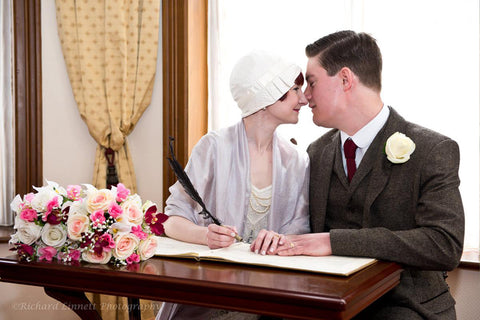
[{"x": 380, "y": 186}]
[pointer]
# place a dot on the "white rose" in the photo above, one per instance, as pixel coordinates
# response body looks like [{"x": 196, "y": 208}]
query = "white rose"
[
  {"x": 76, "y": 207},
  {"x": 27, "y": 232},
  {"x": 99, "y": 200},
  {"x": 41, "y": 199},
  {"x": 132, "y": 211},
  {"x": 92, "y": 257},
  {"x": 54, "y": 235},
  {"x": 76, "y": 224},
  {"x": 125, "y": 245},
  {"x": 399, "y": 147},
  {"x": 147, "y": 248}
]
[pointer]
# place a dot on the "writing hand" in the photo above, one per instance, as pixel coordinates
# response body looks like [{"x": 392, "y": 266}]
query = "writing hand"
[
  {"x": 267, "y": 242},
  {"x": 220, "y": 236},
  {"x": 311, "y": 244}
]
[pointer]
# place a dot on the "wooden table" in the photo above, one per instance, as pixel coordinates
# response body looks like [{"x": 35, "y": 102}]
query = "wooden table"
[{"x": 275, "y": 292}]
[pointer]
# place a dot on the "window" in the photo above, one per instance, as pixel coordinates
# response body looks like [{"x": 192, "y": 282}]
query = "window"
[{"x": 430, "y": 75}]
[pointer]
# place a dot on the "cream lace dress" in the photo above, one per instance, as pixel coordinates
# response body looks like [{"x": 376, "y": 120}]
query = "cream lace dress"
[
  {"x": 257, "y": 218},
  {"x": 258, "y": 211}
]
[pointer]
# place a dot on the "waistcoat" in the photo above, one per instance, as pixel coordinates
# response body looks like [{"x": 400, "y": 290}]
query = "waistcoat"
[{"x": 346, "y": 200}]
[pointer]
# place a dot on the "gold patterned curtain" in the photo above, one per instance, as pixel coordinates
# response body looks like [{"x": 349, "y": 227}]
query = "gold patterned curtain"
[{"x": 110, "y": 50}]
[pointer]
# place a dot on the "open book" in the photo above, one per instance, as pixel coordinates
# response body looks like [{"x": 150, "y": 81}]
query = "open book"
[{"x": 240, "y": 253}]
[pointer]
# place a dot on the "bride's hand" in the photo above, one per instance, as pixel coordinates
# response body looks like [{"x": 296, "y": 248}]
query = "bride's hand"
[
  {"x": 267, "y": 242},
  {"x": 220, "y": 236}
]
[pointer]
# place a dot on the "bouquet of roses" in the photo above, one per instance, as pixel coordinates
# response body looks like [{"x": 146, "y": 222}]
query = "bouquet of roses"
[{"x": 85, "y": 224}]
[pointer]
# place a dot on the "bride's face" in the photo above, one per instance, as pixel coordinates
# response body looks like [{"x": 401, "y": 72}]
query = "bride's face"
[{"x": 287, "y": 111}]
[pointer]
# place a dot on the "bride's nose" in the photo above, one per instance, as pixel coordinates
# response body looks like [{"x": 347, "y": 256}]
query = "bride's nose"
[{"x": 302, "y": 99}]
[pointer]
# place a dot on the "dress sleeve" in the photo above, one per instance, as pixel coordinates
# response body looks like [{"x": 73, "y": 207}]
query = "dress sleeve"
[
  {"x": 200, "y": 169},
  {"x": 297, "y": 219}
]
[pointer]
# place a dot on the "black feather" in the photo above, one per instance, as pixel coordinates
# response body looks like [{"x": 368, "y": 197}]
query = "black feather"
[{"x": 187, "y": 184}]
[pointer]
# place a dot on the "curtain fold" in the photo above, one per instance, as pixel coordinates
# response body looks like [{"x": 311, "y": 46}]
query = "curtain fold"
[
  {"x": 7, "y": 152},
  {"x": 110, "y": 50}
]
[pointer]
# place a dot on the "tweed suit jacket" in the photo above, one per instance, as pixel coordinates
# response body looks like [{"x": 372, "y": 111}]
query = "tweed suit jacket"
[{"x": 412, "y": 213}]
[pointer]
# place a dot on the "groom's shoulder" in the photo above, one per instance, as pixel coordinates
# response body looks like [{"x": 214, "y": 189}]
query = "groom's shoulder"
[
  {"x": 321, "y": 142},
  {"x": 426, "y": 140},
  {"x": 398, "y": 123},
  {"x": 424, "y": 135}
]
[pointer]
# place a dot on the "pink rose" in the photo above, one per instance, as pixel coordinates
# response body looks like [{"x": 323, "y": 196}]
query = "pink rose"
[
  {"x": 125, "y": 245},
  {"x": 93, "y": 257},
  {"x": 76, "y": 225},
  {"x": 122, "y": 192},
  {"x": 99, "y": 200},
  {"x": 132, "y": 211},
  {"x": 97, "y": 218},
  {"x": 46, "y": 253},
  {"x": 134, "y": 258},
  {"x": 29, "y": 197},
  {"x": 106, "y": 241},
  {"x": 29, "y": 215},
  {"x": 137, "y": 230},
  {"x": 50, "y": 206},
  {"x": 74, "y": 254},
  {"x": 73, "y": 192},
  {"x": 115, "y": 210},
  {"x": 147, "y": 248}
]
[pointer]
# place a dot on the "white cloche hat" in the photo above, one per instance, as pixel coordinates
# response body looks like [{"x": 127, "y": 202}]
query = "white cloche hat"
[{"x": 259, "y": 79}]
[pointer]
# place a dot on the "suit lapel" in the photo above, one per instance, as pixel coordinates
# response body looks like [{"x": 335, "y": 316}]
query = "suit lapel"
[
  {"x": 338, "y": 167},
  {"x": 325, "y": 166},
  {"x": 378, "y": 162}
]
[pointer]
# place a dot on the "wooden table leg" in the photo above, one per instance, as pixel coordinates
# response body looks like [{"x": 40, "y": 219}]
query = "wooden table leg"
[
  {"x": 134, "y": 312},
  {"x": 76, "y": 301}
]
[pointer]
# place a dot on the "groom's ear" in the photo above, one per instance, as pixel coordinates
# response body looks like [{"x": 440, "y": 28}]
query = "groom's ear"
[{"x": 347, "y": 77}]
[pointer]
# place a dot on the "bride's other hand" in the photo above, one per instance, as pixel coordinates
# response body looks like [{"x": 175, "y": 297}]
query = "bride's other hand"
[{"x": 267, "y": 242}]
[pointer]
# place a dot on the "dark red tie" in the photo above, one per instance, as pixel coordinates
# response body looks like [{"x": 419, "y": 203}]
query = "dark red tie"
[{"x": 349, "y": 148}]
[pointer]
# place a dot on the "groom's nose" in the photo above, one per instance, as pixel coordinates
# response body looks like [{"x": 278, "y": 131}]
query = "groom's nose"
[{"x": 308, "y": 93}]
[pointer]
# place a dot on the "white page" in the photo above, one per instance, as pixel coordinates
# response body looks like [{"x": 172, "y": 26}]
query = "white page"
[{"x": 240, "y": 253}]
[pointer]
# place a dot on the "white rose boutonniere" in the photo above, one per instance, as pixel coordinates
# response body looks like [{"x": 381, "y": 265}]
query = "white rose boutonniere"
[{"x": 399, "y": 147}]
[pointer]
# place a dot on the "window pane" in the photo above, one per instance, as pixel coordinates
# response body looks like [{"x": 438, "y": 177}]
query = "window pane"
[{"x": 431, "y": 64}]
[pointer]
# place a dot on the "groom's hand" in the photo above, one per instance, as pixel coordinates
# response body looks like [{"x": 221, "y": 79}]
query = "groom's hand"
[{"x": 311, "y": 244}]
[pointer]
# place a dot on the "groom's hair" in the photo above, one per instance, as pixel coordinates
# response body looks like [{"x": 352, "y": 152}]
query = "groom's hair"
[{"x": 357, "y": 51}]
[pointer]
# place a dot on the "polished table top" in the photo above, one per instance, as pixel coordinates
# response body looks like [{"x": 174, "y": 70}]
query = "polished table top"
[{"x": 270, "y": 291}]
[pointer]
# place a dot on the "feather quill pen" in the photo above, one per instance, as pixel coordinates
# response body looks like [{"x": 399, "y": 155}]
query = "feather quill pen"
[{"x": 189, "y": 188}]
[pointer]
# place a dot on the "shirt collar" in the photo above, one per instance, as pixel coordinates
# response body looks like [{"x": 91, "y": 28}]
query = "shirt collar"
[{"x": 364, "y": 137}]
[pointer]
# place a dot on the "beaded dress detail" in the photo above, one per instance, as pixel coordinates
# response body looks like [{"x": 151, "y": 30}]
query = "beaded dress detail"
[{"x": 258, "y": 212}]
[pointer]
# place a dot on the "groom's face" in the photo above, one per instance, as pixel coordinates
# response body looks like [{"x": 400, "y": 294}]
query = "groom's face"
[{"x": 323, "y": 94}]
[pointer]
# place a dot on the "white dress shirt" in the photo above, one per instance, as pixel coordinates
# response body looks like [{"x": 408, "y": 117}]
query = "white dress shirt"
[{"x": 364, "y": 137}]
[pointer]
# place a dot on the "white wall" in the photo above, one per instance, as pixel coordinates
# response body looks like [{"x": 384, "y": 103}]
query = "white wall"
[
  {"x": 430, "y": 75},
  {"x": 68, "y": 148}
]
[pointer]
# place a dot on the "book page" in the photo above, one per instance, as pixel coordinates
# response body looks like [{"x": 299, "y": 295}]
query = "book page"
[
  {"x": 171, "y": 247},
  {"x": 240, "y": 253}
]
